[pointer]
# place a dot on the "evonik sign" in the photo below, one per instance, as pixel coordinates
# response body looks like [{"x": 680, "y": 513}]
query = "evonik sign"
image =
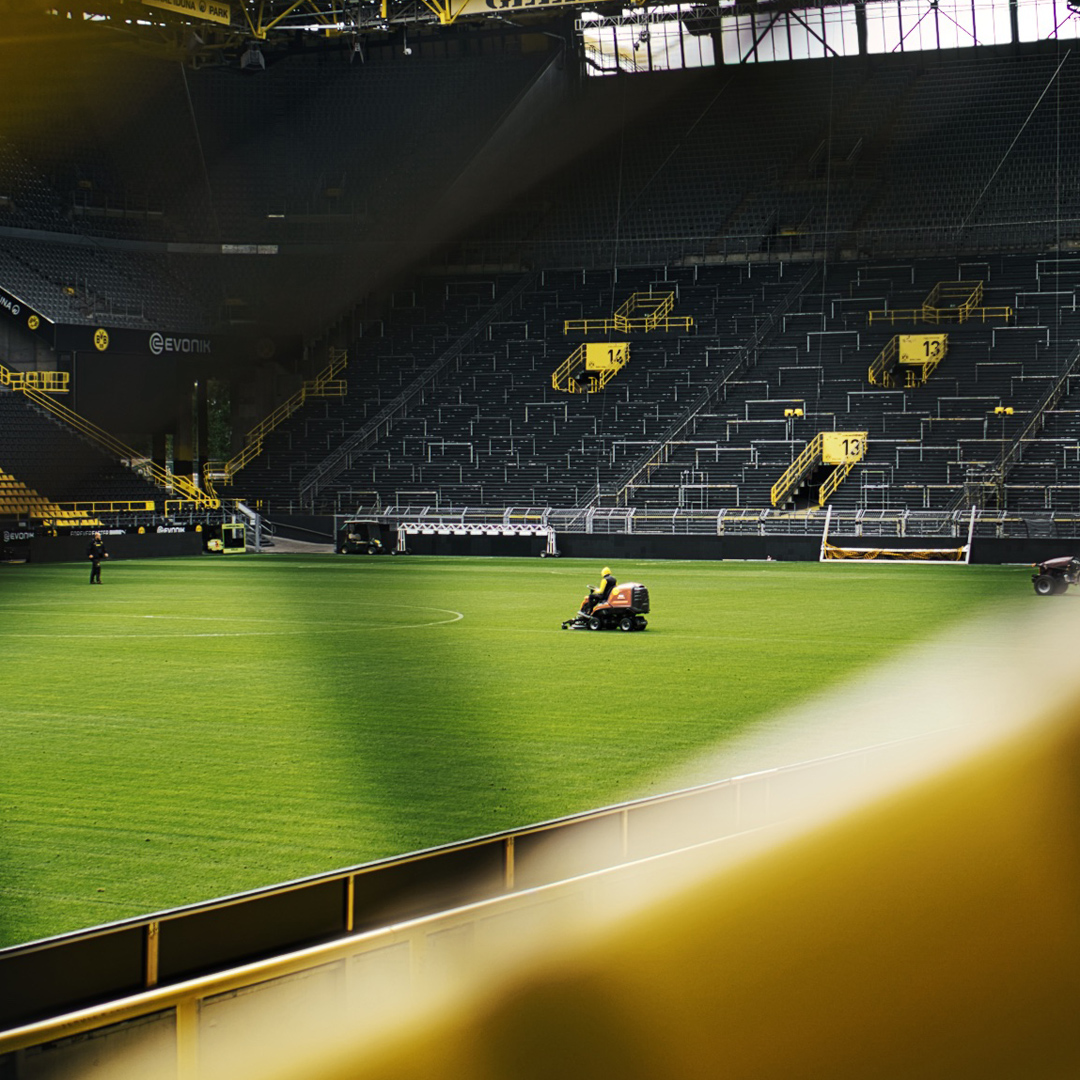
[{"x": 159, "y": 344}]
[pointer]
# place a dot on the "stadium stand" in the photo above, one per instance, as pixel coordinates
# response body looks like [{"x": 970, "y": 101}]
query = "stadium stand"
[
  {"x": 489, "y": 430},
  {"x": 717, "y": 205},
  {"x": 57, "y": 463}
]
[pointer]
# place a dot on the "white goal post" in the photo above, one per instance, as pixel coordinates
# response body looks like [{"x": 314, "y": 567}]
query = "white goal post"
[{"x": 837, "y": 553}]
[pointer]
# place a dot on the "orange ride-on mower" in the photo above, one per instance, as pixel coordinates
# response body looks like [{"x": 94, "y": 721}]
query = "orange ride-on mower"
[{"x": 625, "y": 608}]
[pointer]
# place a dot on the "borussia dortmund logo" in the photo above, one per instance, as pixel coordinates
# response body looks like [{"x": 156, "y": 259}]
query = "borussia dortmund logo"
[
  {"x": 33, "y": 322},
  {"x": 101, "y": 339}
]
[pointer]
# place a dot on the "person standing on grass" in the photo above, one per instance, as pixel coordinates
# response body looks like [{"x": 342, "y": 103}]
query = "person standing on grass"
[{"x": 95, "y": 552}]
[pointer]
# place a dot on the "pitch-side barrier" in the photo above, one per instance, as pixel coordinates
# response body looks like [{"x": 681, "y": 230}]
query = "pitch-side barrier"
[{"x": 158, "y": 974}]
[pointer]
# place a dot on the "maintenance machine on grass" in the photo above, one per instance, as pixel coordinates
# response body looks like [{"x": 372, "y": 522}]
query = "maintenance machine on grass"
[
  {"x": 364, "y": 537},
  {"x": 625, "y": 608},
  {"x": 1054, "y": 576}
]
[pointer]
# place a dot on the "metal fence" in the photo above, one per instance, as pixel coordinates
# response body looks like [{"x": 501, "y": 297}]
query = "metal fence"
[{"x": 929, "y": 524}]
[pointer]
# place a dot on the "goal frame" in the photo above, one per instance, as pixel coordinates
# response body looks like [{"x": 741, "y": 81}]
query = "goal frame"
[{"x": 950, "y": 556}]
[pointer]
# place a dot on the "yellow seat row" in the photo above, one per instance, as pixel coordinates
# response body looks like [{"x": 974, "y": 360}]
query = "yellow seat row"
[{"x": 18, "y": 500}]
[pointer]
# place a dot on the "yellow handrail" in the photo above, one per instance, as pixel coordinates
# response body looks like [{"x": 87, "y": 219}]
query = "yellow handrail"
[
  {"x": 657, "y": 308},
  {"x": 882, "y": 366},
  {"x": 179, "y": 485},
  {"x": 38, "y": 389},
  {"x": 811, "y": 453},
  {"x": 325, "y": 384},
  {"x": 48, "y": 382},
  {"x": 561, "y": 377},
  {"x": 948, "y": 301},
  {"x": 833, "y": 481},
  {"x": 567, "y": 375}
]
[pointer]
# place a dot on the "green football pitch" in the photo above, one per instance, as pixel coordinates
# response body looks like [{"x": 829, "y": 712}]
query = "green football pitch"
[{"x": 198, "y": 727}]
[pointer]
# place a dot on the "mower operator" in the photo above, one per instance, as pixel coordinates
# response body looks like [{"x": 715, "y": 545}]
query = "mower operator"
[{"x": 599, "y": 593}]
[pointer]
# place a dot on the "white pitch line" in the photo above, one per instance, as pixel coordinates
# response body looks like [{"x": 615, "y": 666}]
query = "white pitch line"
[{"x": 307, "y": 628}]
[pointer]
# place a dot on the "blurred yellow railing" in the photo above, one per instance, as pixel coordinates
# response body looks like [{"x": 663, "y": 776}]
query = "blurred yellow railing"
[{"x": 38, "y": 385}]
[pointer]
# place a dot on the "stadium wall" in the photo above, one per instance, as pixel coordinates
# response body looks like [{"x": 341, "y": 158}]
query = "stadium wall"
[
  {"x": 608, "y": 546},
  {"x": 986, "y": 551},
  {"x": 52, "y": 549},
  {"x": 603, "y": 546}
]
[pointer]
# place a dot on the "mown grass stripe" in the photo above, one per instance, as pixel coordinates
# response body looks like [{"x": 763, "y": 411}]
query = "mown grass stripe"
[{"x": 198, "y": 727}]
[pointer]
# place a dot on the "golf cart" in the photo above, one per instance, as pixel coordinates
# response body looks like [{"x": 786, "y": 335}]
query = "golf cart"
[{"x": 365, "y": 537}]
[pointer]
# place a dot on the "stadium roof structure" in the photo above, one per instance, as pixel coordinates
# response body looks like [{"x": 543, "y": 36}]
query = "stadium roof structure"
[
  {"x": 254, "y": 33},
  {"x": 203, "y": 27},
  {"x": 227, "y": 23}
]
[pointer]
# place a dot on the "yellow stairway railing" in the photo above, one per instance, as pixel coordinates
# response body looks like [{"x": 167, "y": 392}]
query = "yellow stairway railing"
[
  {"x": 841, "y": 449},
  {"x": 917, "y": 355},
  {"x": 181, "y": 487},
  {"x": 645, "y": 311},
  {"x": 947, "y": 301},
  {"x": 880, "y": 372},
  {"x": 797, "y": 471},
  {"x": 833, "y": 481},
  {"x": 325, "y": 385},
  {"x": 591, "y": 367},
  {"x": 48, "y": 382}
]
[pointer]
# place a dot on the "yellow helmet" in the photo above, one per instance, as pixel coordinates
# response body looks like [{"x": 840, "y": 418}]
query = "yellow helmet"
[{"x": 605, "y": 571}]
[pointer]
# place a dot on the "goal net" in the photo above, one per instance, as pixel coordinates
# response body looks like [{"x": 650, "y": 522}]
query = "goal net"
[
  {"x": 834, "y": 552},
  {"x": 831, "y": 552}
]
